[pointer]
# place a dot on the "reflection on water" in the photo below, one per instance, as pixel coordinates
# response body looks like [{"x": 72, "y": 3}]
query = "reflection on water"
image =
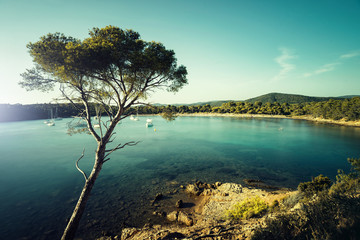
[{"x": 39, "y": 184}]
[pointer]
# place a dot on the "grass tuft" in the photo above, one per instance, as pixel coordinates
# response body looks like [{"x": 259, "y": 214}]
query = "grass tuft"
[{"x": 251, "y": 207}]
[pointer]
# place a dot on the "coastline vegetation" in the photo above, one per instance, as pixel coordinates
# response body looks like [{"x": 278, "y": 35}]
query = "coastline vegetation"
[
  {"x": 340, "y": 109},
  {"x": 319, "y": 210}
]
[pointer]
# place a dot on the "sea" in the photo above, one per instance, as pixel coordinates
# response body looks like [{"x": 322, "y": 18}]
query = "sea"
[{"x": 39, "y": 183}]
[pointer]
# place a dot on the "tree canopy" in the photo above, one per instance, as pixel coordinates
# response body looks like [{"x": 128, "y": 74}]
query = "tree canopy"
[{"x": 112, "y": 66}]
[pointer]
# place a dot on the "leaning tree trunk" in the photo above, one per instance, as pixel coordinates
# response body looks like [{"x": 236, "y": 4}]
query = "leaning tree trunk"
[{"x": 74, "y": 221}]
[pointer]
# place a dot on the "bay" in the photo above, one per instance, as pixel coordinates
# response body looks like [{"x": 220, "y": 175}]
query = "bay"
[{"x": 39, "y": 184}]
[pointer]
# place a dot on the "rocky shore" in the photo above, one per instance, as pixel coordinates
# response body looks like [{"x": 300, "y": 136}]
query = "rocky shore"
[{"x": 197, "y": 211}]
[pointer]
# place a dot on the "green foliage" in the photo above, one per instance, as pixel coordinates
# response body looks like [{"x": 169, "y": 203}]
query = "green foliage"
[
  {"x": 332, "y": 214},
  {"x": 355, "y": 163},
  {"x": 248, "y": 208},
  {"x": 325, "y": 218},
  {"x": 112, "y": 67},
  {"x": 347, "y": 184},
  {"x": 348, "y": 109},
  {"x": 315, "y": 186},
  {"x": 168, "y": 115}
]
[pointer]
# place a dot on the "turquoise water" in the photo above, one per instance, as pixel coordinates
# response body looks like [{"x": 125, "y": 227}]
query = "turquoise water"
[{"x": 39, "y": 184}]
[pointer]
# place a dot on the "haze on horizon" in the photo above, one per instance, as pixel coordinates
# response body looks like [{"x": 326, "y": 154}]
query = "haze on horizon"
[{"x": 232, "y": 49}]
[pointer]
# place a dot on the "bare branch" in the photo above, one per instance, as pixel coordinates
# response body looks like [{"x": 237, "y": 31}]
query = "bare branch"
[
  {"x": 77, "y": 165},
  {"x": 69, "y": 99},
  {"x": 120, "y": 146}
]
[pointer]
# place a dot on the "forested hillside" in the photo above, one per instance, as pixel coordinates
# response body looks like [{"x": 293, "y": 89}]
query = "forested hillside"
[
  {"x": 20, "y": 112},
  {"x": 347, "y": 109},
  {"x": 289, "y": 98},
  {"x": 275, "y": 97}
]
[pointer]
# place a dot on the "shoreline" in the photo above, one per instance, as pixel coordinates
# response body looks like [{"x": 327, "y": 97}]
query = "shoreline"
[
  {"x": 202, "y": 209},
  {"x": 245, "y": 115}
]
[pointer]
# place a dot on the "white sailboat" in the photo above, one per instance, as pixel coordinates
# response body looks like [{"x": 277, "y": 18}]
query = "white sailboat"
[
  {"x": 133, "y": 118},
  {"x": 149, "y": 123},
  {"x": 51, "y": 122}
]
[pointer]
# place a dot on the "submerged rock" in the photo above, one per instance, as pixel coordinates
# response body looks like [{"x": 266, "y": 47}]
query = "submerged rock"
[
  {"x": 179, "y": 204},
  {"x": 158, "y": 197}
]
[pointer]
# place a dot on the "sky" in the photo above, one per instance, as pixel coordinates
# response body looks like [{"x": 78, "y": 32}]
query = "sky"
[{"x": 233, "y": 49}]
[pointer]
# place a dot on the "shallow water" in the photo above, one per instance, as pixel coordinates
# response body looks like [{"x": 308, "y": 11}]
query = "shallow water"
[{"x": 39, "y": 184}]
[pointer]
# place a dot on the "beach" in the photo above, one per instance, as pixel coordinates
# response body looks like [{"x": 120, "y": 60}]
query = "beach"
[{"x": 341, "y": 122}]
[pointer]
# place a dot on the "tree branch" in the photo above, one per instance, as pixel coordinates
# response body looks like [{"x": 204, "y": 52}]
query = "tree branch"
[
  {"x": 77, "y": 165},
  {"x": 119, "y": 146}
]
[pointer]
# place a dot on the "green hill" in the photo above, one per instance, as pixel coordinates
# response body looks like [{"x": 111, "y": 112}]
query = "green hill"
[
  {"x": 273, "y": 97},
  {"x": 211, "y": 103},
  {"x": 288, "y": 98}
]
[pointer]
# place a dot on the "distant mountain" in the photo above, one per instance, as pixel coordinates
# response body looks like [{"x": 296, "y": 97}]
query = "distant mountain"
[
  {"x": 349, "y": 96},
  {"x": 289, "y": 98},
  {"x": 270, "y": 97},
  {"x": 211, "y": 103}
]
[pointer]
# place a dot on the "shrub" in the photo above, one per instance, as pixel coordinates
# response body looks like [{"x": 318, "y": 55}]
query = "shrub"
[
  {"x": 334, "y": 214},
  {"x": 325, "y": 218},
  {"x": 347, "y": 184},
  {"x": 291, "y": 200},
  {"x": 317, "y": 185},
  {"x": 355, "y": 163},
  {"x": 248, "y": 208}
]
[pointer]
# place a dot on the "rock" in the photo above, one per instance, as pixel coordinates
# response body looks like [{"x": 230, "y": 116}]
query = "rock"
[
  {"x": 104, "y": 238},
  {"x": 249, "y": 181},
  {"x": 179, "y": 204},
  {"x": 160, "y": 214},
  {"x": 128, "y": 232},
  {"x": 230, "y": 188},
  {"x": 147, "y": 226},
  {"x": 173, "y": 235},
  {"x": 185, "y": 219},
  {"x": 158, "y": 197},
  {"x": 173, "y": 216},
  {"x": 206, "y": 192},
  {"x": 201, "y": 184},
  {"x": 192, "y": 189},
  {"x": 217, "y": 184},
  {"x": 299, "y": 206}
]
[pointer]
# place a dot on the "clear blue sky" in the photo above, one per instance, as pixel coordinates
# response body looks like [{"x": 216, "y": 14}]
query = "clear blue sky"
[{"x": 234, "y": 49}]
